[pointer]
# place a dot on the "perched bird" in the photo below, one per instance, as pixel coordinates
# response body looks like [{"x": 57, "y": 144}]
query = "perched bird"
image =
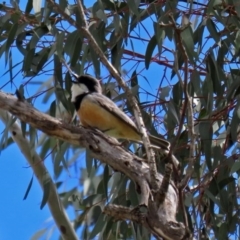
[{"x": 97, "y": 111}]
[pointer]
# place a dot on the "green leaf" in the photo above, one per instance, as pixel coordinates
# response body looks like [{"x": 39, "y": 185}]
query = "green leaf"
[
  {"x": 149, "y": 51},
  {"x": 63, "y": 4},
  {"x": 10, "y": 40},
  {"x": 60, "y": 38},
  {"x": 98, "y": 225},
  {"x": 212, "y": 30},
  {"x": 177, "y": 93},
  {"x": 59, "y": 158},
  {"x": 106, "y": 177},
  {"x": 213, "y": 71},
  {"x": 89, "y": 161},
  {"x": 133, "y": 231},
  {"x": 46, "y": 19},
  {"x": 187, "y": 38},
  {"x": 101, "y": 15},
  {"x": 159, "y": 35},
  {"x": 116, "y": 51},
  {"x": 109, "y": 227},
  {"x": 37, "y": 235},
  {"x": 85, "y": 50},
  {"x": 11, "y": 35},
  {"x": 23, "y": 128},
  {"x": 52, "y": 109},
  {"x": 37, "y": 5},
  {"x": 144, "y": 14},
  {"x": 133, "y": 5},
  {"x": 37, "y": 34},
  {"x": 212, "y": 197},
  {"x": 117, "y": 24},
  {"x": 92, "y": 200},
  {"x": 60, "y": 95},
  {"x": 28, "y": 189},
  {"x": 95, "y": 61},
  {"x": 32, "y": 136},
  {"x": 29, "y": 6},
  {"x": 223, "y": 231},
  {"x": 235, "y": 167},
  {"x": 42, "y": 58},
  {"x": 72, "y": 46},
  {"x": 19, "y": 41},
  {"x": 207, "y": 91},
  {"x": 132, "y": 194},
  {"x": 46, "y": 190},
  {"x": 58, "y": 75},
  {"x": 235, "y": 123},
  {"x": 196, "y": 82},
  {"x": 4, "y": 139},
  {"x": 28, "y": 60},
  {"x": 180, "y": 61},
  {"x": 224, "y": 182},
  {"x": 198, "y": 35},
  {"x": 45, "y": 148},
  {"x": 237, "y": 7},
  {"x": 233, "y": 90},
  {"x": 134, "y": 84},
  {"x": 77, "y": 50},
  {"x": 172, "y": 112},
  {"x": 206, "y": 132}
]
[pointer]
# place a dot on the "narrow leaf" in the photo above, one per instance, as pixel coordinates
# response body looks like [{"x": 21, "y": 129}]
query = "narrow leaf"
[
  {"x": 46, "y": 191},
  {"x": 206, "y": 131},
  {"x": 28, "y": 189},
  {"x": 98, "y": 226},
  {"x": 187, "y": 37},
  {"x": 149, "y": 51},
  {"x": 37, "y": 5},
  {"x": 29, "y": 6}
]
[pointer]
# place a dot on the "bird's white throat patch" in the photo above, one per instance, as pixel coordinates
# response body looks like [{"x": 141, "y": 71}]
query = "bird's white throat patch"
[{"x": 78, "y": 89}]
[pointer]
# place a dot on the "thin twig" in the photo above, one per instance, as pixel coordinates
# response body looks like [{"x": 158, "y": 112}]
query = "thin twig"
[{"x": 188, "y": 108}]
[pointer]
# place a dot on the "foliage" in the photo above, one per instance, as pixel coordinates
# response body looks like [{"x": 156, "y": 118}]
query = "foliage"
[{"x": 168, "y": 52}]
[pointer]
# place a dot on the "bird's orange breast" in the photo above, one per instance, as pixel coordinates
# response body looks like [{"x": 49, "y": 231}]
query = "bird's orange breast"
[{"x": 94, "y": 115}]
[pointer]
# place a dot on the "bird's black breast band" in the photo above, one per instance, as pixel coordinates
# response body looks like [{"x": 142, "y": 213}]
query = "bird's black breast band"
[{"x": 78, "y": 100}]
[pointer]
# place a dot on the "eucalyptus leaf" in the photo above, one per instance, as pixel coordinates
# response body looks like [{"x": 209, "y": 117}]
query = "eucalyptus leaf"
[
  {"x": 46, "y": 190},
  {"x": 150, "y": 48},
  {"x": 28, "y": 189}
]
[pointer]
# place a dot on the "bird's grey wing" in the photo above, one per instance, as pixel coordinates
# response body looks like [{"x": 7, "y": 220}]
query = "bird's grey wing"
[{"x": 110, "y": 106}]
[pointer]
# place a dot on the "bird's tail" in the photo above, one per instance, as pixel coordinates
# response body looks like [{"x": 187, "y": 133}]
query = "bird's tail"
[{"x": 159, "y": 142}]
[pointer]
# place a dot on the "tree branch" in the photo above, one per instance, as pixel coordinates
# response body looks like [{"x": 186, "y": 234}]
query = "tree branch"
[
  {"x": 167, "y": 230},
  {"x": 104, "y": 149}
]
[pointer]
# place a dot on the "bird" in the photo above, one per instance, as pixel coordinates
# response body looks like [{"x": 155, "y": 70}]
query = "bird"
[{"x": 97, "y": 111}]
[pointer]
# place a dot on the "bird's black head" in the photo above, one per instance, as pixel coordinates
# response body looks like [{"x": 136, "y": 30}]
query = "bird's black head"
[{"x": 85, "y": 84}]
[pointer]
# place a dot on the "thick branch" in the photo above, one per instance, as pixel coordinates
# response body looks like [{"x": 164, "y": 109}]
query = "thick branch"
[
  {"x": 103, "y": 148},
  {"x": 167, "y": 230}
]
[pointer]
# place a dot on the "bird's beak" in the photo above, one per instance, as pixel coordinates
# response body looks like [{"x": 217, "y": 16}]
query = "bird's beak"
[{"x": 76, "y": 77}]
